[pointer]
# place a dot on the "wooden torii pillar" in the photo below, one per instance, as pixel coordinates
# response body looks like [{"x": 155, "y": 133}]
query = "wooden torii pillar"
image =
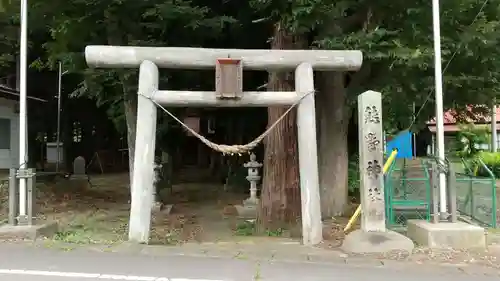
[{"x": 148, "y": 59}]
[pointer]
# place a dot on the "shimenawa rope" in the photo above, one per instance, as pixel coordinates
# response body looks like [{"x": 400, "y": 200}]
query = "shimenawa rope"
[{"x": 237, "y": 148}]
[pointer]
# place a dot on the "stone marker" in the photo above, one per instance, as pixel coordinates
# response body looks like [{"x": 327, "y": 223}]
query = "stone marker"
[
  {"x": 373, "y": 237},
  {"x": 79, "y": 179},
  {"x": 79, "y": 166},
  {"x": 371, "y": 161}
]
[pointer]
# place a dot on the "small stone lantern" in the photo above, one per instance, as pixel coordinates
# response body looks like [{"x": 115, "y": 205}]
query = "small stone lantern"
[{"x": 253, "y": 177}]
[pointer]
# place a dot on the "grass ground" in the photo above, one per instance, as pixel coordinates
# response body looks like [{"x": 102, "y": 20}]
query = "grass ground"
[{"x": 99, "y": 214}]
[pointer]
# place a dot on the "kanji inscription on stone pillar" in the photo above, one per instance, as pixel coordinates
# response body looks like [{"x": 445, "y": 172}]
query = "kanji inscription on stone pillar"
[{"x": 371, "y": 161}]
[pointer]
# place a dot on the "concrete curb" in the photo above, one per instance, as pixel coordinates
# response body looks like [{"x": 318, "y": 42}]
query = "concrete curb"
[{"x": 313, "y": 258}]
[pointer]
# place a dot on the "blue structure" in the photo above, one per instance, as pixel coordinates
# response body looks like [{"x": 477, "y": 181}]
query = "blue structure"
[{"x": 403, "y": 143}]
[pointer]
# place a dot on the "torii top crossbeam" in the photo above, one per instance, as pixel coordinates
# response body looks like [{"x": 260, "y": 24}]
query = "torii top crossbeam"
[{"x": 202, "y": 58}]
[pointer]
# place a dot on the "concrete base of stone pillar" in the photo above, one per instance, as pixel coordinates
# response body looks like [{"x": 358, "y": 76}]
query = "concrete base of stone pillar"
[
  {"x": 78, "y": 183},
  {"x": 458, "y": 235},
  {"x": 159, "y": 207},
  {"x": 361, "y": 242},
  {"x": 29, "y": 232},
  {"x": 249, "y": 208},
  {"x": 167, "y": 208}
]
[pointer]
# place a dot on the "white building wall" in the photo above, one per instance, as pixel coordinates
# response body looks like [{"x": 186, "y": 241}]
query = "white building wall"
[{"x": 9, "y": 155}]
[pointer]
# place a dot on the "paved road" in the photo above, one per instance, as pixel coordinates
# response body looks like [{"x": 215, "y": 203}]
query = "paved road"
[{"x": 40, "y": 264}]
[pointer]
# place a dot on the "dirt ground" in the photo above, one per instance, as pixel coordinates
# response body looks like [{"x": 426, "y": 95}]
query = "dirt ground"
[
  {"x": 99, "y": 214},
  {"x": 201, "y": 214}
]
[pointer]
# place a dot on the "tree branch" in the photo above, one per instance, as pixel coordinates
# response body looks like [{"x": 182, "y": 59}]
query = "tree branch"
[{"x": 361, "y": 76}]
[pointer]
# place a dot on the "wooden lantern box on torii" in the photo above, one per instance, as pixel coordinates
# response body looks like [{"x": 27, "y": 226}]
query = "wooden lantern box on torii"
[{"x": 228, "y": 78}]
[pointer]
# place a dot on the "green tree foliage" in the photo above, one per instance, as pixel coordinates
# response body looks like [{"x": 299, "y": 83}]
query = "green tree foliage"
[
  {"x": 491, "y": 160},
  {"x": 397, "y": 45},
  {"x": 396, "y": 40},
  {"x": 471, "y": 139},
  {"x": 119, "y": 22},
  {"x": 398, "y": 52},
  {"x": 72, "y": 25},
  {"x": 8, "y": 35}
]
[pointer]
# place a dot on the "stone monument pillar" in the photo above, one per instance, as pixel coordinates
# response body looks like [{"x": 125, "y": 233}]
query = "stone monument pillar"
[
  {"x": 373, "y": 237},
  {"x": 371, "y": 161},
  {"x": 249, "y": 207}
]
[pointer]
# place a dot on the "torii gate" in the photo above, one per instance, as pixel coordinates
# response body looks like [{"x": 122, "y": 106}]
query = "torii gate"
[{"x": 229, "y": 64}]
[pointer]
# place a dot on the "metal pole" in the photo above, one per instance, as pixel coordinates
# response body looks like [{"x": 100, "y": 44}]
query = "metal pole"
[
  {"x": 59, "y": 89},
  {"x": 438, "y": 77},
  {"x": 494, "y": 137},
  {"x": 452, "y": 194},
  {"x": 30, "y": 196},
  {"x": 435, "y": 192},
  {"x": 413, "y": 135},
  {"x": 433, "y": 144},
  {"x": 23, "y": 114},
  {"x": 13, "y": 197}
]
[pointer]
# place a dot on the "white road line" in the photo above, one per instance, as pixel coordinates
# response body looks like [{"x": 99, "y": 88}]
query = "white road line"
[{"x": 93, "y": 275}]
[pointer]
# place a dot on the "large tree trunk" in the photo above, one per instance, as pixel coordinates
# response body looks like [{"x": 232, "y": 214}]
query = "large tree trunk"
[
  {"x": 280, "y": 196},
  {"x": 129, "y": 90},
  {"x": 333, "y": 152}
]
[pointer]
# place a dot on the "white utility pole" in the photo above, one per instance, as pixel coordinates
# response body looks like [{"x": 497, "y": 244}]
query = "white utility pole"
[
  {"x": 438, "y": 77},
  {"x": 494, "y": 143},
  {"x": 58, "y": 136},
  {"x": 23, "y": 113}
]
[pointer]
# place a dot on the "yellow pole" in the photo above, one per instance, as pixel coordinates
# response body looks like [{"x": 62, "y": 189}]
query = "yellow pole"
[{"x": 356, "y": 214}]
